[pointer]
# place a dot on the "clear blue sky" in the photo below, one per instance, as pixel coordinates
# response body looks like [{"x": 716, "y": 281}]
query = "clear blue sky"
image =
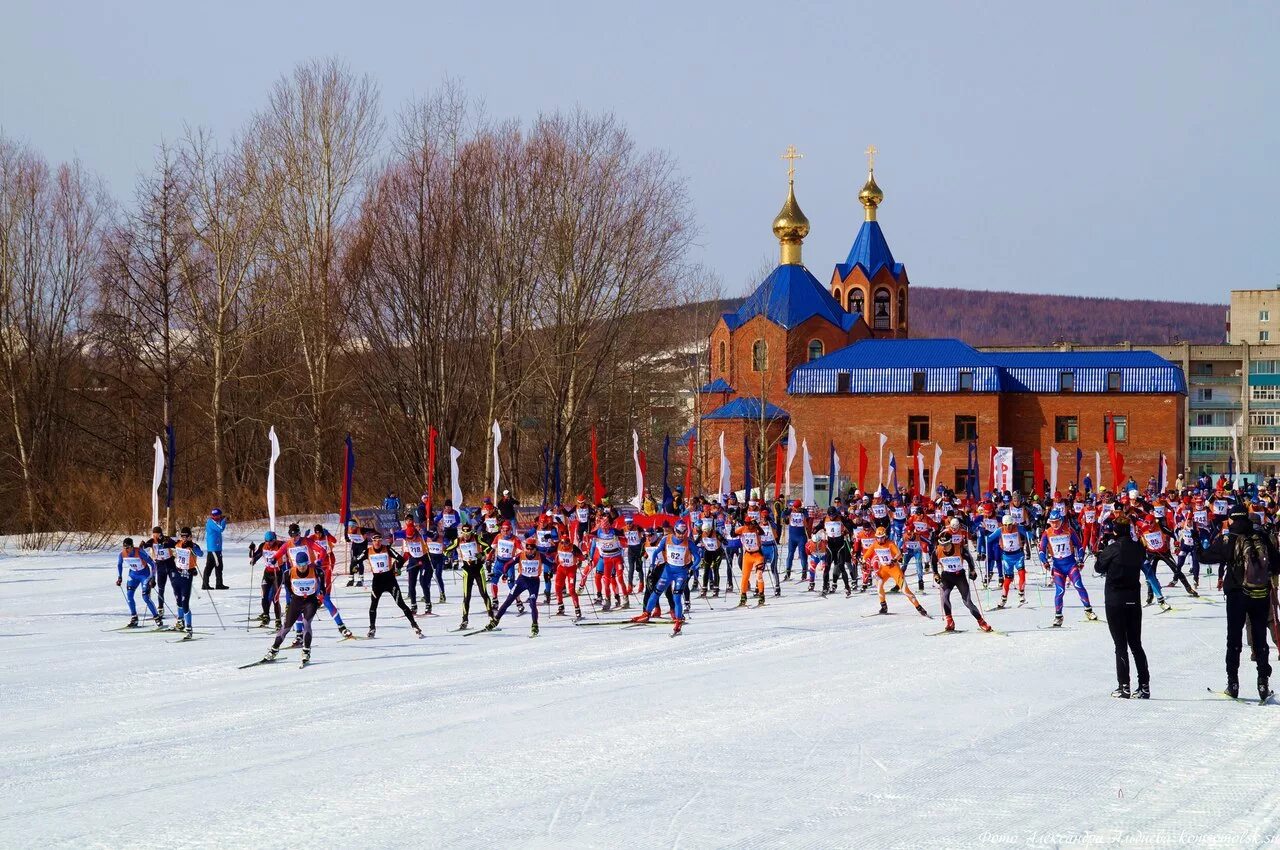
[{"x": 1096, "y": 148}]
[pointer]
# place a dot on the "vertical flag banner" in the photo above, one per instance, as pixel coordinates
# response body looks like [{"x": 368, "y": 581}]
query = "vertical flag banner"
[
  {"x": 666, "y": 488},
  {"x": 349, "y": 468},
  {"x": 724, "y": 471},
  {"x": 746, "y": 467},
  {"x": 880, "y": 467},
  {"x": 1003, "y": 468},
  {"x": 806, "y": 481},
  {"x": 1053, "y": 470},
  {"x": 271, "y": 477},
  {"x": 497, "y": 441},
  {"x": 455, "y": 489},
  {"x": 937, "y": 464},
  {"x": 157, "y": 476},
  {"x": 893, "y": 473},
  {"x": 792, "y": 446},
  {"x": 635, "y": 455},
  {"x": 597, "y": 484},
  {"x": 862, "y": 467}
]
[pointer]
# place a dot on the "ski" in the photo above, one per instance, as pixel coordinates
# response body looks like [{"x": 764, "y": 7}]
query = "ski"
[{"x": 946, "y": 632}]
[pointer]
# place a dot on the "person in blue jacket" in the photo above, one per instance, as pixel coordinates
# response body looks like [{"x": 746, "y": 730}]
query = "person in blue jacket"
[{"x": 213, "y": 528}]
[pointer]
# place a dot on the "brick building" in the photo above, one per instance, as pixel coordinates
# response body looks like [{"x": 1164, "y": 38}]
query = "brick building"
[{"x": 838, "y": 365}]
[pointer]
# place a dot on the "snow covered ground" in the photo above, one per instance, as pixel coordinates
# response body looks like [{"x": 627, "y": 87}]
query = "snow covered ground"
[{"x": 799, "y": 725}]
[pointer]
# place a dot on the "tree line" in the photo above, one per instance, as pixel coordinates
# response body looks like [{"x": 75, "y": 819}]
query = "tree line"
[{"x": 332, "y": 269}]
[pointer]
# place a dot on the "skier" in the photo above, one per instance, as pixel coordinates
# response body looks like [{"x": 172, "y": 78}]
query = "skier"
[
  {"x": 1060, "y": 547},
  {"x": 1122, "y": 564},
  {"x": 213, "y": 528},
  {"x": 384, "y": 565},
  {"x": 470, "y": 551},
  {"x": 950, "y": 558},
  {"x": 1013, "y": 545},
  {"x": 528, "y": 580},
  {"x": 886, "y": 559},
  {"x": 141, "y": 569},
  {"x": 185, "y": 555}
]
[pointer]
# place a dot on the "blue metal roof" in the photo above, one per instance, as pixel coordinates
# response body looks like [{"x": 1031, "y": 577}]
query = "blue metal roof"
[
  {"x": 719, "y": 385},
  {"x": 747, "y": 408},
  {"x": 871, "y": 251},
  {"x": 790, "y": 296},
  {"x": 890, "y": 366}
]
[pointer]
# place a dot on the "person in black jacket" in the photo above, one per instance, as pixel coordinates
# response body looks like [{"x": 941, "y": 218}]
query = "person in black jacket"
[
  {"x": 1121, "y": 563},
  {"x": 1250, "y": 564}
]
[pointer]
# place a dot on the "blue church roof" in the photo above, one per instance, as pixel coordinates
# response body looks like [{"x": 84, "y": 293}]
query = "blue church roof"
[
  {"x": 890, "y": 366},
  {"x": 871, "y": 251},
  {"x": 790, "y": 296},
  {"x": 747, "y": 408},
  {"x": 719, "y": 385}
]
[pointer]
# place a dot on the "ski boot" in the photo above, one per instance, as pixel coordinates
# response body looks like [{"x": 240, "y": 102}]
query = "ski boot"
[
  {"x": 1233, "y": 688},
  {"x": 1089, "y": 615},
  {"x": 984, "y": 625},
  {"x": 346, "y": 633},
  {"x": 533, "y": 630},
  {"x": 297, "y": 641},
  {"x": 560, "y": 610},
  {"x": 133, "y": 622},
  {"x": 270, "y": 656},
  {"x": 1004, "y": 600},
  {"x": 1143, "y": 692},
  {"x": 1057, "y": 621},
  {"x": 1121, "y": 692},
  {"x": 1164, "y": 606},
  {"x": 950, "y": 625},
  {"x": 742, "y": 600}
]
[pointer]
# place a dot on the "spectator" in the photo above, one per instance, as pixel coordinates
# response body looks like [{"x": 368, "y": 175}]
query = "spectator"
[
  {"x": 213, "y": 528},
  {"x": 1121, "y": 563},
  {"x": 1250, "y": 564}
]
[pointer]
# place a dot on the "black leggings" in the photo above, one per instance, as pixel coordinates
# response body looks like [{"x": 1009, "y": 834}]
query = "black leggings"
[
  {"x": 386, "y": 583},
  {"x": 959, "y": 581},
  {"x": 1125, "y": 623},
  {"x": 299, "y": 606},
  {"x": 473, "y": 573}
]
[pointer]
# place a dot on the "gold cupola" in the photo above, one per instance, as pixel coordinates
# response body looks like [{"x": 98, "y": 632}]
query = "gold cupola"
[
  {"x": 871, "y": 196},
  {"x": 791, "y": 225}
]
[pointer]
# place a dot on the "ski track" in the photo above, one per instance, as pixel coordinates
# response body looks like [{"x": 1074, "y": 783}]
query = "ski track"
[{"x": 800, "y": 725}]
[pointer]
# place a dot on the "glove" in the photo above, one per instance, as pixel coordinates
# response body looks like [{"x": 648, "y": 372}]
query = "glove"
[{"x": 118, "y": 582}]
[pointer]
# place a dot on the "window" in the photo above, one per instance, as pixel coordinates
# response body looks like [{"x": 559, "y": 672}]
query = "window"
[
  {"x": 723, "y": 356},
  {"x": 842, "y": 382},
  {"x": 856, "y": 300},
  {"x": 1264, "y": 336},
  {"x": 1265, "y": 418},
  {"x": 880, "y": 310},
  {"x": 1066, "y": 381},
  {"x": 919, "y": 382},
  {"x": 917, "y": 429},
  {"x": 1264, "y": 393},
  {"x": 815, "y": 349},
  {"x": 1114, "y": 382},
  {"x": 1066, "y": 429},
  {"x": 1264, "y": 444},
  {"x": 1122, "y": 428},
  {"x": 966, "y": 428},
  {"x": 1264, "y": 315},
  {"x": 760, "y": 356},
  {"x": 966, "y": 381},
  {"x": 1210, "y": 444}
]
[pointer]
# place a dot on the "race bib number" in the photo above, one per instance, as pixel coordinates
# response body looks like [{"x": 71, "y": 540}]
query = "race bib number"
[
  {"x": 951, "y": 563},
  {"x": 380, "y": 562}
]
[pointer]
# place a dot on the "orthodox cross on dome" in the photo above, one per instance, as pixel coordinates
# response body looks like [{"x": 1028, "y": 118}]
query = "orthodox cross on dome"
[
  {"x": 871, "y": 157},
  {"x": 791, "y": 156}
]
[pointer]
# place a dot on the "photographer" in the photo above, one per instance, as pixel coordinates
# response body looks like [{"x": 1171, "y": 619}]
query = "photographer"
[{"x": 1120, "y": 562}]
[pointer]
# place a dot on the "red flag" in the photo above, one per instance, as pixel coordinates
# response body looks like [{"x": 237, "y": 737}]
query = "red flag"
[
  {"x": 595, "y": 469},
  {"x": 862, "y": 467},
  {"x": 688, "y": 468},
  {"x": 779, "y": 472},
  {"x": 1037, "y": 470},
  {"x": 431, "y": 467}
]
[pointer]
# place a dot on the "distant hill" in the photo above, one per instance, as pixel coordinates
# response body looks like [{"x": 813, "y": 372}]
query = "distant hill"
[{"x": 1014, "y": 318}]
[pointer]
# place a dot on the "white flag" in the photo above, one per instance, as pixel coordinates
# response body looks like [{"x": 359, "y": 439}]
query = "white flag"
[
  {"x": 920, "y": 485},
  {"x": 455, "y": 489},
  {"x": 880, "y": 465},
  {"x": 635, "y": 455},
  {"x": 497, "y": 441},
  {"x": 937, "y": 464},
  {"x": 806, "y": 482},
  {"x": 726, "y": 482},
  {"x": 1097, "y": 470},
  {"x": 1003, "y": 463},
  {"x": 1053, "y": 471},
  {"x": 156, "y": 477},
  {"x": 791, "y": 455},
  {"x": 271, "y": 477}
]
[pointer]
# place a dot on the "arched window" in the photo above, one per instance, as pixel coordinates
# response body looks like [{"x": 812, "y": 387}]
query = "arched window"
[
  {"x": 855, "y": 300},
  {"x": 880, "y": 308},
  {"x": 722, "y": 356},
  {"x": 815, "y": 349},
  {"x": 760, "y": 356},
  {"x": 902, "y": 309}
]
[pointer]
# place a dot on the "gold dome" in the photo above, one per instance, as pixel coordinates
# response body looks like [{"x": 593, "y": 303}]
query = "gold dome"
[
  {"x": 871, "y": 196},
  {"x": 791, "y": 227}
]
